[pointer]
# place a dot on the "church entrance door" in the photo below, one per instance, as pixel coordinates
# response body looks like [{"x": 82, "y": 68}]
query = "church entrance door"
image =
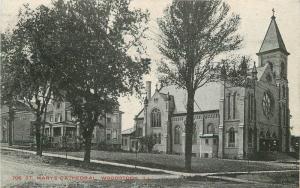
[{"x": 268, "y": 145}]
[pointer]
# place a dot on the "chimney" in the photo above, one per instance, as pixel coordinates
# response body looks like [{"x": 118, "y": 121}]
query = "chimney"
[{"x": 148, "y": 89}]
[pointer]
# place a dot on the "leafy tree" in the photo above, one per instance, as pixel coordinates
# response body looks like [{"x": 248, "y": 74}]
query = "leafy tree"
[
  {"x": 96, "y": 38},
  {"x": 30, "y": 63},
  {"x": 148, "y": 141},
  {"x": 8, "y": 92},
  {"x": 194, "y": 33},
  {"x": 235, "y": 72}
]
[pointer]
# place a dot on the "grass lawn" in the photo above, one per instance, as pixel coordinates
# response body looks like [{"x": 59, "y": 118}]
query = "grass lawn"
[
  {"x": 23, "y": 163},
  {"x": 176, "y": 162},
  {"x": 71, "y": 164}
]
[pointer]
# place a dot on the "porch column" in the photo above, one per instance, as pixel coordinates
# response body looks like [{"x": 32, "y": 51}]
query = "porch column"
[
  {"x": 51, "y": 131},
  {"x": 200, "y": 147},
  {"x": 183, "y": 143}
]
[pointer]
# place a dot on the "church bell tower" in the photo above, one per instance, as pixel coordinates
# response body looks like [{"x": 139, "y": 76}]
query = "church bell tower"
[{"x": 274, "y": 53}]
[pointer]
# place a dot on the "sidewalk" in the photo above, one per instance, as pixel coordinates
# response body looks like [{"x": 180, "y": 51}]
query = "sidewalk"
[{"x": 173, "y": 174}]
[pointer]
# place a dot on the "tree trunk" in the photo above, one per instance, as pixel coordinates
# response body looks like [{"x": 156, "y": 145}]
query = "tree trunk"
[
  {"x": 87, "y": 149},
  {"x": 10, "y": 124},
  {"x": 38, "y": 135},
  {"x": 189, "y": 130}
]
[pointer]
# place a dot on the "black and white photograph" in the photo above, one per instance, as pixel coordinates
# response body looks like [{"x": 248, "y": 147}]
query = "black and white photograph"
[{"x": 149, "y": 93}]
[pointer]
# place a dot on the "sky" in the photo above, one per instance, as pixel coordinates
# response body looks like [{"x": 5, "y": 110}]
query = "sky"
[{"x": 255, "y": 18}]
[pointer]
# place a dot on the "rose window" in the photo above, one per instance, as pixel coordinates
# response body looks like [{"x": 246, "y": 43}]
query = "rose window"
[{"x": 267, "y": 104}]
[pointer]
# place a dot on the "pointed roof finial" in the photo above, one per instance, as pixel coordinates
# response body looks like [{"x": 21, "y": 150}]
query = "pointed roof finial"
[
  {"x": 254, "y": 71},
  {"x": 254, "y": 68},
  {"x": 273, "y": 16}
]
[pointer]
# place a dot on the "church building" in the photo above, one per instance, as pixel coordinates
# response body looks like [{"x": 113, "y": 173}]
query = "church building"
[{"x": 229, "y": 122}]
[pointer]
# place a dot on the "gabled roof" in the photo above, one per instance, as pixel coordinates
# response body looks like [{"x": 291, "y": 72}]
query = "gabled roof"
[
  {"x": 273, "y": 39},
  {"x": 206, "y": 98},
  {"x": 128, "y": 131}
]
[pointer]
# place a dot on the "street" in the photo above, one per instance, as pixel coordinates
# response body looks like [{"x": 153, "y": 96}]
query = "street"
[{"x": 20, "y": 169}]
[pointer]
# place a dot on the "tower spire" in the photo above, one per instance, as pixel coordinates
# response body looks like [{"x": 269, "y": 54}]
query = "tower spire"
[{"x": 273, "y": 39}]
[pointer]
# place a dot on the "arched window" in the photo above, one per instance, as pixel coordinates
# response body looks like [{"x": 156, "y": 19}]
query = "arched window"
[
  {"x": 233, "y": 105},
  {"x": 249, "y": 107},
  {"x": 231, "y": 141},
  {"x": 210, "y": 129},
  {"x": 282, "y": 70},
  {"x": 194, "y": 134},
  {"x": 250, "y": 137},
  {"x": 177, "y": 135},
  {"x": 228, "y": 107},
  {"x": 156, "y": 118}
]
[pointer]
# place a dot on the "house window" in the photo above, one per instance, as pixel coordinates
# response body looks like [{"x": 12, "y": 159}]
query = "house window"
[
  {"x": 215, "y": 141},
  {"x": 206, "y": 141},
  {"x": 60, "y": 117},
  {"x": 156, "y": 118},
  {"x": 57, "y": 131},
  {"x": 177, "y": 135},
  {"x": 210, "y": 129},
  {"x": 51, "y": 118},
  {"x": 58, "y": 105},
  {"x": 124, "y": 141},
  {"x": 114, "y": 134},
  {"x": 68, "y": 116},
  {"x": 231, "y": 142},
  {"x": 108, "y": 120},
  {"x": 133, "y": 144},
  {"x": 108, "y": 137},
  {"x": 32, "y": 129},
  {"x": 140, "y": 131}
]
